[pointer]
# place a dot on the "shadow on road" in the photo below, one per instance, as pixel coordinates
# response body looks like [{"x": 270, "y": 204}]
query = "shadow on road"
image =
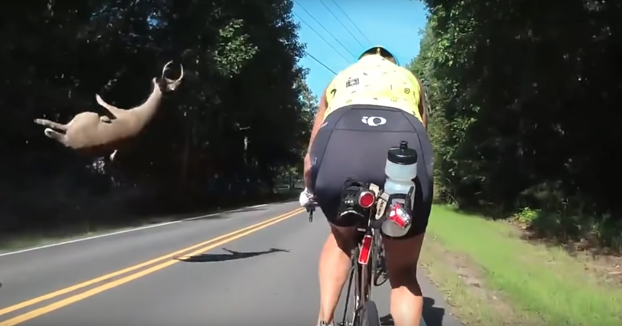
[
  {"x": 432, "y": 315},
  {"x": 233, "y": 255}
]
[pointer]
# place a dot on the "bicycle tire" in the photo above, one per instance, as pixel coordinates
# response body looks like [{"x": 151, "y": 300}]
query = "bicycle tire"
[
  {"x": 349, "y": 315},
  {"x": 363, "y": 277},
  {"x": 369, "y": 315},
  {"x": 379, "y": 263},
  {"x": 355, "y": 316}
]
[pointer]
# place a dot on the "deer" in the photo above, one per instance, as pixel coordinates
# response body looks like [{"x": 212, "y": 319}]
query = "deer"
[{"x": 91, "y": 133}]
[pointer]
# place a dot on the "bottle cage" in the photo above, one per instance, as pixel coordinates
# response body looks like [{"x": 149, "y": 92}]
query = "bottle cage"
[{"x": 408, "y": 202}]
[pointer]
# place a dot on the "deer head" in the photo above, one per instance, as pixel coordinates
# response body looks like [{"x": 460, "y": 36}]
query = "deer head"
[
  {"x": 147, "y": 109},
  {"x": 166, "y": 84}
]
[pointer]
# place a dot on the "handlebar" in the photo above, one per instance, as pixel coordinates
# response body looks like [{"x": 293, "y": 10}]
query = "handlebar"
[{"x": 310, "y": 207}]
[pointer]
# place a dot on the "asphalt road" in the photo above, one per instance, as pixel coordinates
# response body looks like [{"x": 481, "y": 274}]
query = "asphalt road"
[{"x": 266, "y": 275}]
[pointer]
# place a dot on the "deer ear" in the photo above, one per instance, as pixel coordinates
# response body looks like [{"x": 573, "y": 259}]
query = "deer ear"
[
  {"x": 158, "y": 84},
  {"x": 103, "y": 103}
]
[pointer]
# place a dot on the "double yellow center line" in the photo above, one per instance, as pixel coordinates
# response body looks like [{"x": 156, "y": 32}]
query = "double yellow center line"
[{"x": 190, "y": 251}]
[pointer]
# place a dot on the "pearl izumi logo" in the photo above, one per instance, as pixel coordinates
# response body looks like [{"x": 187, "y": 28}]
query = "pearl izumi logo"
[{"x": 374, "y": 121}]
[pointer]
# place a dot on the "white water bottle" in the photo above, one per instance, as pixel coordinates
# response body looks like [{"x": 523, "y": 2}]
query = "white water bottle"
[{"x": 400, "y": 171}]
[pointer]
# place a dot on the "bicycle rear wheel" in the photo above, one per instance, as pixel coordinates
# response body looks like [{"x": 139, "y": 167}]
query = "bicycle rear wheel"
[
  {"x": 379, "y": 268},
  {"x": 352, "y": 298},
  {"x": 369, "y": 314}
]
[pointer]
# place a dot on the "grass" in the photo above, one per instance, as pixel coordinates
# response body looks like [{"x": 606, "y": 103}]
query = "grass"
[
  {"x": 539, "y": 284},
  {"x": 466, "y": 291}
]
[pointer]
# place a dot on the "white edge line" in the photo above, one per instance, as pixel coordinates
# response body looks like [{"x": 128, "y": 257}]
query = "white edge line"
[{"x": 127, "y": 231}]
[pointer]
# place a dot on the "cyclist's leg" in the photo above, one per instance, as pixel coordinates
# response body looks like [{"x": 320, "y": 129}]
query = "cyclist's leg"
[
  {"x": 333, "y": 270},
  {"x": 328, "y": 179},
  {"x": 402, "y": 254},
  {"x": 406, "y": 296}
]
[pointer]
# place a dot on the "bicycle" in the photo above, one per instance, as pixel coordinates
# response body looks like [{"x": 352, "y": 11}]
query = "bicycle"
[{"x": 369, "y": 248}]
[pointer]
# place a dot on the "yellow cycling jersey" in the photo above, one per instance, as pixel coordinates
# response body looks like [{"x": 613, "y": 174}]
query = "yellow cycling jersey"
[{"x": 374, "y": 80}]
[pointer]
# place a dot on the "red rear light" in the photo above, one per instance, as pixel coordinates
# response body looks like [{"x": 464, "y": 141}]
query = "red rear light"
[
  {"x": 366, "y": 199},
  {"x": 365, "y": 250}
]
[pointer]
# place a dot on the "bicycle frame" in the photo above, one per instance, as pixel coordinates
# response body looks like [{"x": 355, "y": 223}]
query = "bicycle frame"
[
  {"x": 364, "y": 253},
  {"x": 363, "y": 273}
]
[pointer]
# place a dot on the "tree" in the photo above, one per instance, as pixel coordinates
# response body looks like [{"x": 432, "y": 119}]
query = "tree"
[{"x": 525, "y": 103}]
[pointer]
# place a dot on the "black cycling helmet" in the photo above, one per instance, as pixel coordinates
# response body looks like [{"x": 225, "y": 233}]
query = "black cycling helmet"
[{"x": 381, "y": 51}]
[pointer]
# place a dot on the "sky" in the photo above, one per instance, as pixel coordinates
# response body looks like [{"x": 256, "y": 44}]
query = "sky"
[{"x": 394, "y": 24}]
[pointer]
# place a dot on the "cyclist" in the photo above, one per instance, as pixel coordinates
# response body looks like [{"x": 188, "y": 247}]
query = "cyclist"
[{"x": 366, "y": 109}]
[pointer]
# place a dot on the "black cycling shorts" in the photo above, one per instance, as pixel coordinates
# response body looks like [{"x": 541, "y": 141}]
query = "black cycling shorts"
[{"x": 353, "y": 142}]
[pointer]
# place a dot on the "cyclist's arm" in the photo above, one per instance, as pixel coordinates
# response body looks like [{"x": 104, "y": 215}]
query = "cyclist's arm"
[
  {"x": 422, "y": 98},
  {"x": 316, "y": 126},
  {"x": 422, "y": 104}
]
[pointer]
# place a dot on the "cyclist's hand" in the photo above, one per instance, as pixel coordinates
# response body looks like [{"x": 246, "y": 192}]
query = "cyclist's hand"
[{"x": 305, "y": 198}]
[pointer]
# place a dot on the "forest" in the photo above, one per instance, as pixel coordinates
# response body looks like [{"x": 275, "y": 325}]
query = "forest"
[
  {"x": 525, "y": 101},
  {"x": 238, "y": 123}
]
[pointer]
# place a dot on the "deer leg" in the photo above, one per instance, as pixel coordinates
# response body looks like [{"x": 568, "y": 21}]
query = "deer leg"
[
  {"x": 55, "y": 135},
  {"x": 51, "y": 124}
]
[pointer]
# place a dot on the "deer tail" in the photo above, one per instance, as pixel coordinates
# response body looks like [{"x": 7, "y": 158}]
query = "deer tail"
[
  {"x": 51, "y": 124},
  {"x": 55, "y": 135}
]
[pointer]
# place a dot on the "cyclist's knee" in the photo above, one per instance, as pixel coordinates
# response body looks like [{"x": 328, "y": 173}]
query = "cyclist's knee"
[
  {"x": 402, "y": 256},
  {"x": 405, "y": 276}
]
